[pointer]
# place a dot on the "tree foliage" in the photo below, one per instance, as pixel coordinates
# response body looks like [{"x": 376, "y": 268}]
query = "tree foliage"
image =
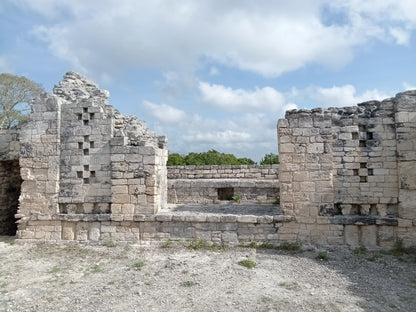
[
  {"x": 269, "y": 159},
  {"x": 16, "y": 95},
  {"x": 211, "y": 157},
  {"x": 176, "y": 159}
]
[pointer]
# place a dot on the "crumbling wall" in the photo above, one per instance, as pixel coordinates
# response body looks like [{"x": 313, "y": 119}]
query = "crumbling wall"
[
  {"x": 339, "y": 172},
  {"x": 81, "y": 157},
  {"x": 210, "y": 184},
  {"x": 405, "y": 117}
]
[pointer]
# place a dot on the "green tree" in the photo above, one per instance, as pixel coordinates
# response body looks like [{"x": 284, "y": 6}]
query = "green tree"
[
  {"x": 269, "y": 159},
  {"x": 246, "y": 161},
  {"x": 212, "y": 157},
  {"x": 175, "y": 159},
  {"x": 194, "y": 159},
  {"x": 16, "y": 95}
]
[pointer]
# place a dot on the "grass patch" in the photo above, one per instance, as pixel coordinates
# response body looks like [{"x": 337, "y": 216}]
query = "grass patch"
[
  {"x": 167, "y": 244},
  {"x": 218, "y": 247},
  {"x": 293, "y": 247},
  {"x": 197, "y": 244},
  {"x": 187, "y": 284},
  {"x": 251, "y": 245},
  {"x": 55, "y": 269},
  {"x": 373, "y": 257},
  {"x": 402, "y": 253},
  {"x": 247, "y": 263},
  {"x": 138, "y": 265},
  {"x": 265, "y": 245},
  {"x": 290, "y": 286},
  {"x": 94, "y": 269},
  {"x": 109, "y": 242},
  {"x": 236, "y": 198},
  {"x": 359, "y": 251},
  {"x": 322, "y": 255}
]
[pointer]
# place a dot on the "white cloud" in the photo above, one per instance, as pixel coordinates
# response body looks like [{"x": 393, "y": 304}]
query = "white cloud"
[
  {"x": 247, "y": 135},
  {"x": 165, "y": 113},
  {"x": 340, "y": 96},
  {"x": 268, "y": 38},
  {"x": 401, "y": 35},
  {"x": 230, "y": 99}
]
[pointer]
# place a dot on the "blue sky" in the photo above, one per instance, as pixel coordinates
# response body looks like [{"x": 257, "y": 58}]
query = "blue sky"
[{"x": 216, "y": 74}]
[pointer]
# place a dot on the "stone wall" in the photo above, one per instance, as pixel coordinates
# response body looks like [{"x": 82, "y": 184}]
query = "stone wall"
[
  {"x": 210, "y": 184},
  {"x": 261, "y": 172},
  {"x": 78, "y": 155},
  {"x": 347, "y": 167},
  {"x": 82, "y": 171},
  {"x": 146, "y": 229}
]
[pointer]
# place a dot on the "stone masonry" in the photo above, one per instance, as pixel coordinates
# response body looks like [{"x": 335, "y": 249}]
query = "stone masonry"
[
  {"x": 79, "y": 156},
  {"x": 210, "y": 184},
  {"x": 349, "y": 174},
  {"x": 81, "y": 171}
]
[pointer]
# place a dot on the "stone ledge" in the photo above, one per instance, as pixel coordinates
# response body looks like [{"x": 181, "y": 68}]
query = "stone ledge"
[
  {"x": 362, "y": 220},
  {"x": 197, "y": 218}
]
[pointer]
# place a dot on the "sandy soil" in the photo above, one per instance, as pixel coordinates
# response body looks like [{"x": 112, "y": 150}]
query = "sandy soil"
[{"x": 49, "y": 277}]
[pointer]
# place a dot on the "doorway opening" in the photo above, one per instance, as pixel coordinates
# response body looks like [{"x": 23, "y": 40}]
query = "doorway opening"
[
  {"x": 10, "y": 184},
  {"x": 225, "y": 193}
]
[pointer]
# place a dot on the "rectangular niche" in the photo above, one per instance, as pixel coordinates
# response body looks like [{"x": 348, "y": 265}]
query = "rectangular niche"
[{"x": 225, "y": 193}]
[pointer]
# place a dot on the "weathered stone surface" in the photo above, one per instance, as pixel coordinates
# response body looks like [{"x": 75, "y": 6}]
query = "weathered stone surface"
[
  {"x": 363, "y": 167},
  {"x": 86, "y": 172}
]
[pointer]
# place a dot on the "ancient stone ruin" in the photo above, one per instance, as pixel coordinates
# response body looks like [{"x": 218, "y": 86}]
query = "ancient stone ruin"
[
  {"x": 81, "y": 171},
  {"x": 349, "y": 174}
]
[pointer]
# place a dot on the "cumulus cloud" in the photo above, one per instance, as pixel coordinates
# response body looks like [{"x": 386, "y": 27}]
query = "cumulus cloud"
[
  {"x": 237, "y": 135},
  {"x": 239, "y": 99},
  {"x": 165, "y": 113},
  {"x": 401, "y": 35},
  {"x": 339, "y": 96},
  {"x": 268, "y": 38}
]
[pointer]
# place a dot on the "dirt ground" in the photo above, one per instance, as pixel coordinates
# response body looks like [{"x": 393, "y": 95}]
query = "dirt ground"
[{"x": 47, "y": 277}]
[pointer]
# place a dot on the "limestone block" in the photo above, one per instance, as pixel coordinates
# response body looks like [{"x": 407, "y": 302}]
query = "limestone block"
[
  {"x": 315, "y": 148},
  {"x": 387, "y": 236},
  {"x": 121, "y": 199},
  {"x": 369, "y": 236},
  {"x": 81, "y": 231},
  {"x": 127, "y": 208},
  {"x": 229, "y": 237},
  {"x": 352, "y": 235},
  {"x": 247, "y": 219},
  {"x": 286, "y": 148},
  {"x": 108, "y": 228},
  {"x": 204, "y": 235},
  {"x": 119, "y": 189},
  {"x": 94, "y": 231}
]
